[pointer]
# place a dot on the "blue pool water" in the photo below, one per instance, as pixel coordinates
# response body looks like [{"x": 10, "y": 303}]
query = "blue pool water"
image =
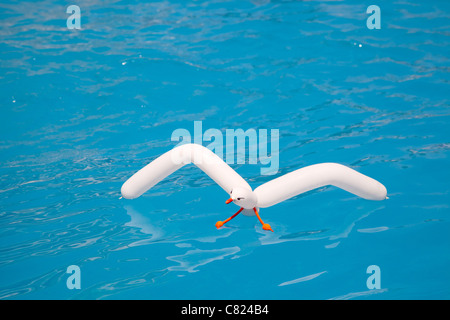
[{"x": 82, "y": 110}]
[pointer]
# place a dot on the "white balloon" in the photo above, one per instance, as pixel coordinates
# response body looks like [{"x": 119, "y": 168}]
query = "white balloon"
[{"x": 266, "y": 195}]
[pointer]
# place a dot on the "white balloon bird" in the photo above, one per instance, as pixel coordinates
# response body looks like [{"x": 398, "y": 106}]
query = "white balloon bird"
[{"x": 266, "y": 195}]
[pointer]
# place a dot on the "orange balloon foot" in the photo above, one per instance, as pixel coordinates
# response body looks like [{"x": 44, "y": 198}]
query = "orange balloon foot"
[
  {"x": 219, "y": 224},
  {"x": 267, "y": 227}
]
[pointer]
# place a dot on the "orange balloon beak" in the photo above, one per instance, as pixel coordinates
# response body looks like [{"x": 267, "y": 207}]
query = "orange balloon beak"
[{"x": 229, "y": 201}]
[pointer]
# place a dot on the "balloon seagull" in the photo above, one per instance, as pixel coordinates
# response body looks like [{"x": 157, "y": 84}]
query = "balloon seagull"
[{"x": 266, "y": 195}]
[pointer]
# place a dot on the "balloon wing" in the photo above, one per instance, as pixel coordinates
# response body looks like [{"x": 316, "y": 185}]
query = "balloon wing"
[
  {"x": 176, "y": 158},
  {"x": 315, "y": 176}
]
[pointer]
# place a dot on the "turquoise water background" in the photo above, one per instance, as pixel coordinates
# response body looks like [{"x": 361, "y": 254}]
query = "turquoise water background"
[{"x": 82, "y": 110}]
